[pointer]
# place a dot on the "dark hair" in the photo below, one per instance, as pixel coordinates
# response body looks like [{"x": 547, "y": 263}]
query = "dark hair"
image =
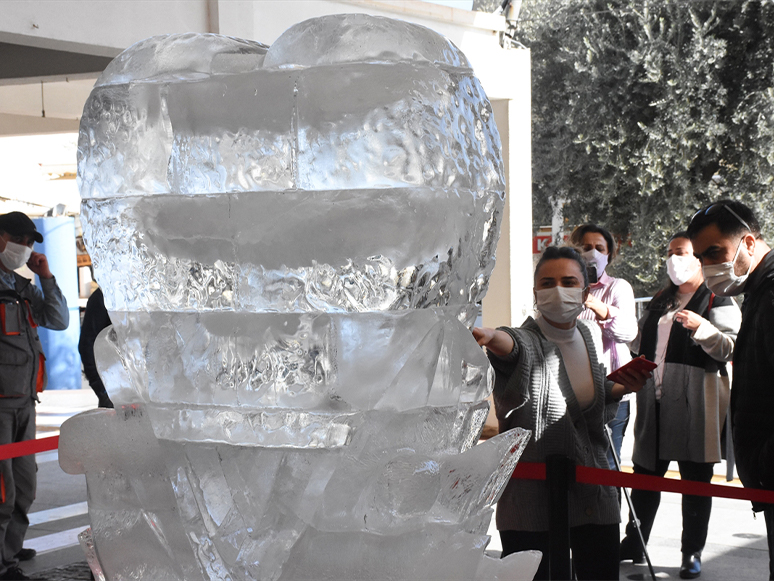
[
  {"x": 666, "y": 299},
  {"x": 730, "y": 217},
  {"x": 576, "y": 238},
  {"x": 556, "y": 252}
]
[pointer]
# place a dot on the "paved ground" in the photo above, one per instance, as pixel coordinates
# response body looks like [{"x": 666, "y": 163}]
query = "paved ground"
[
  {"x": 736, "y": 547},
  {"x": 736, "y": 542}
]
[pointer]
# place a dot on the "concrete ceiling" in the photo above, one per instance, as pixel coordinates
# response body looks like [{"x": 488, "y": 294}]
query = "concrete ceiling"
[
  {"x": 43, "y": 90},
  {"x": 19, "y": 62}
]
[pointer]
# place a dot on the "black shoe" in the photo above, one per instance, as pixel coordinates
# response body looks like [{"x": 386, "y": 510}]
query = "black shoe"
[
  {"x": 631, "y": 550},
  {"x": 14, "y": 574},
  {"x": 26, "y": 554},
  {"x": 691, "y": 567}
]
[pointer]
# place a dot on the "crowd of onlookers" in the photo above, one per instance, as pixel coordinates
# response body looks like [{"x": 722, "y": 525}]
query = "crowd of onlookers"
[{"x": 552, "y": 378}]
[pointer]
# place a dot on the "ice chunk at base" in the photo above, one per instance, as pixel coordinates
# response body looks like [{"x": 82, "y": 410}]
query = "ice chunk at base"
[
  {"x": 458, "y": 426},
  {"x": 514, "y": 567},
  {"x": 132, "y": 507},
  {"x": 199, "y": 511},
  {"x": 459, "y": 556},
  {"x": 86, "y": 541}
]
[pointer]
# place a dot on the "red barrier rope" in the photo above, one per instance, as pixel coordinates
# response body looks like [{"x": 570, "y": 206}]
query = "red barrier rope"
[
  {"x": 523, "y": 471},
  {"x": 28, "y": 447},
  {"x": 587, "y": 475}
]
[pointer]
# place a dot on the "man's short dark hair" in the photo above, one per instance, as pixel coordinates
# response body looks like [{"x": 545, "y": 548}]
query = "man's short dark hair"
[
  {"x": 556, "y": 252},
  {"x": 577, "y": 237},
  {"x": 731, "y": 218}
]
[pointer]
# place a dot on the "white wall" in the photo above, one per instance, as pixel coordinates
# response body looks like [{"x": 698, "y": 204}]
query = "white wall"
[{"x": 510, "y": 299}]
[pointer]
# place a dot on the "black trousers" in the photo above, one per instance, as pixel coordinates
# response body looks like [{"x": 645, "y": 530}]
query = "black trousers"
[
  {"x": 696, "y": 509},
  {"x": 594, "y": 550}
]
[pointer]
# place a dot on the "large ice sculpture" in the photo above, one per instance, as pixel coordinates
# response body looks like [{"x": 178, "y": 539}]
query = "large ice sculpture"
[{"x": 291, "y": 241}]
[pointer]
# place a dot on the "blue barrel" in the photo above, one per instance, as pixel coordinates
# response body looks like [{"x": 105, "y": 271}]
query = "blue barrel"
[{"x": 61, "y": 347}]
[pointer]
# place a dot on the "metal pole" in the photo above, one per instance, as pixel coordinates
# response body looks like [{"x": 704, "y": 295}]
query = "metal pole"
[
  {"x": 636, "y": 521},
  {"x": 560, "y": 472}
]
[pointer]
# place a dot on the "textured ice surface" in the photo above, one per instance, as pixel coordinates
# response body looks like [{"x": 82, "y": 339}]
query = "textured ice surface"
[
  {"x": 291, "y": 241},
  {"x": 86, "y": 541},
  {"x": 360, "y": 38}
]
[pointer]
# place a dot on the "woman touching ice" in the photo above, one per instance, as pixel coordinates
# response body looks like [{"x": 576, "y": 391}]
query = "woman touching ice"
[{"x": 549, "y": 379}]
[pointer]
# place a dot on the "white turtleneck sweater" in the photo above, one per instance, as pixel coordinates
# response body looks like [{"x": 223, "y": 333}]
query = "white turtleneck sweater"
[{"x": 576, "y": 359}]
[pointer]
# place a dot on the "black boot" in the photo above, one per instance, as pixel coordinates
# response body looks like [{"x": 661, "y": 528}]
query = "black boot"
[
  {"x": 691, "y": 566},
  {"x": 631, "y": 550},
  {"x": 14, "y": 574},
  {"x": 26, "y": 554}
]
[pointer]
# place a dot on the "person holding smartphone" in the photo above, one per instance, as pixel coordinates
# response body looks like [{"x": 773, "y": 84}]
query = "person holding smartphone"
[
  {"x": 689, "y": 332},
  {"x": 549, "y": 379},
  {"x": 610, "y": 304}
]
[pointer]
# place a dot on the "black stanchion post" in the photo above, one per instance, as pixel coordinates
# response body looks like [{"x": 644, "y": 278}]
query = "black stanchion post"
[{"x": 560, "y": 473}]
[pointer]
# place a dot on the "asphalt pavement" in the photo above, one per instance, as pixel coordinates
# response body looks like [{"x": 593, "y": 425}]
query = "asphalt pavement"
[{"x": 736, "y": 546}]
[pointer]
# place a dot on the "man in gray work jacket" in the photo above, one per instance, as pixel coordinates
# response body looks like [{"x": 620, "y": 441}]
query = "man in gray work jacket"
[{"x": 23, "y": 307}]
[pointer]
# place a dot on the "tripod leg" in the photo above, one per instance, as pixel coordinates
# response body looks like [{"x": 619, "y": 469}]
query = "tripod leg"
[{"x": 629, "y": 503}]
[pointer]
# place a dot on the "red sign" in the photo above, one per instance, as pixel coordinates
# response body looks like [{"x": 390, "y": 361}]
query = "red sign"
[{"x": 539, "y": 243}]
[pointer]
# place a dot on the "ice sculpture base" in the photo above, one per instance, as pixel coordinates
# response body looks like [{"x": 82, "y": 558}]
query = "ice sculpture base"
[{"x": 203, "y": 510}]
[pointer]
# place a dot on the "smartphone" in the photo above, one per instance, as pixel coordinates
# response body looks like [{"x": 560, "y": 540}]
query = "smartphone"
[
  {"x": 592, "y": 270},
  {"x": 639, "y": 364}
]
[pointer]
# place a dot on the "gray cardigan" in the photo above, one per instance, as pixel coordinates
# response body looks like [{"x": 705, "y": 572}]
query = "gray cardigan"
[{"x": 532, "y": 390}]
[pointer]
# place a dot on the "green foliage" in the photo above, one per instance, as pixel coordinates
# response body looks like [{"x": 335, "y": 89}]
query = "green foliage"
[{"x": 643, "y": 111}]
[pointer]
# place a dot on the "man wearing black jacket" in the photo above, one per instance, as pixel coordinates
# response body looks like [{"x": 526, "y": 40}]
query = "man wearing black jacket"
[{"x": 727, "y": 239}]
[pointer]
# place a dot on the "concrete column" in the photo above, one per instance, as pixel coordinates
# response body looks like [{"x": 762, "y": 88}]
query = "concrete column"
[{"x": 509, "y": 299}]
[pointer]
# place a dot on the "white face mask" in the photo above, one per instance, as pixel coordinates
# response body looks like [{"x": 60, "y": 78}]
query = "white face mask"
[
  {"x": 15, "y": 255},
  {"x": 722, "y": 280},
  {"x": 681, "y": 269},
  {"x": 597, "y": 259},
  {"x": 560, "y": 304}
]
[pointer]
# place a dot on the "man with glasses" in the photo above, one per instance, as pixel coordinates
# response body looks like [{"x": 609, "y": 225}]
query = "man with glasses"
[{"x": 735, "y": 259}]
